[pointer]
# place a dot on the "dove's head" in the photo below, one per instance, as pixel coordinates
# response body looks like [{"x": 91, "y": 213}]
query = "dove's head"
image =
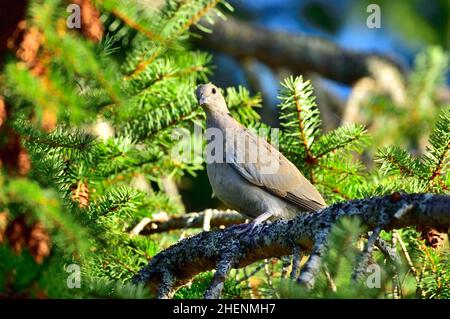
[{"x": 210, "y": 98}]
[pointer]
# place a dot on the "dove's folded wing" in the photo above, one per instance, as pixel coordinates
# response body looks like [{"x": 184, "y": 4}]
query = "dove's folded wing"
[{"x": 263, "y": 165}]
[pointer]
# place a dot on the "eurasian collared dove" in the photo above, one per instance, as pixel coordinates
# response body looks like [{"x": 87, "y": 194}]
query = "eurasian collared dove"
[{"x": 246, "y": 172}]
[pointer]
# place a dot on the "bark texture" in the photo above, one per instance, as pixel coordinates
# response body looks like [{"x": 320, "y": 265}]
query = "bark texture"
[
  {"x": 193, "y": 220},
  {"x": 230, "y": 248}
]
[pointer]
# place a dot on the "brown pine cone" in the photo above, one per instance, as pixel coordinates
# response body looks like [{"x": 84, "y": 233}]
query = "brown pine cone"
[
  {"x": 29, "y": 47},
  {"x": 13, "y": 155},
  {"x": 39, "y": 242},
  {"x": 21, "y": 236},
  {"x": 17, "y": 234},
  {"x": 16, "y": 37},
  {"x": 432, "y": 237},
  {"x": 80, "y": 194},
  {"x": 3, "y": 225},
  {"x": 49, "y": 120},
  {"x": 3, "y": 112},
  {"x": 91, "y": 25},
  {"x": 23, "y": 162}
]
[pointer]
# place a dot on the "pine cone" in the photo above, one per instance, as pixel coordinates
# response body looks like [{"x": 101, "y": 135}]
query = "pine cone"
[
  {"x": 3, "y": 225},
  {"x": 29, "y": 47},
  {"x": 48, "y": 120},
  {"x": 3, "y": 112},
  {"x": 23, "y": 162},
  {"x": 17, "y": 234},
  {"x": 13, "y": 155},
  {"x": 14, "y": 40},
  {"x": 39, "y": 242},
  {"x": 27, "y": 42},
  {"x": 21, "y": 236},
  {"x": 432, "y": 237},
  {"x": 80, "y": 194},
  {"x": 39, "y": 68},
  {"x": 90, "y": 20}
]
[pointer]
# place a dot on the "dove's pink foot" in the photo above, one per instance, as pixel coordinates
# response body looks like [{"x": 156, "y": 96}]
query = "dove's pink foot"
[{"x": 250, "y": 227}]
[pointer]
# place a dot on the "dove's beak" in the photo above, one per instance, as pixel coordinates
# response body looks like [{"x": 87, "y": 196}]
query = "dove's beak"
[{"x": 203, "y": 100}]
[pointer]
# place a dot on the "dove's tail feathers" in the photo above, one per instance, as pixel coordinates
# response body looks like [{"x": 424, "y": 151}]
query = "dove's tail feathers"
[{"x": 306, "y": 204}]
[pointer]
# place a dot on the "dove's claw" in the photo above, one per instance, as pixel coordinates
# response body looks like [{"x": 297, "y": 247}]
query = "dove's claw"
[{"x": 250, "y": 227}]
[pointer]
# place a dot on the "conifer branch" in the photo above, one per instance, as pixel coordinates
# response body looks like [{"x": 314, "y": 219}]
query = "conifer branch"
[
  {"x": 179, "y": 73},
  {"x": 192, "y": 220},
  {"x": 194, "y": 19},
  {"x": 388, "y": 250},
  {"x": 337, "y": 170},
  {"x": 335, "y": 190},
  {"x": 440, "y": 164},
  {"x": 299, "y": 53},
  {"x": 130, "y": 22},
  {"x": 393, "y": 159},
  {"x": 224, "y": 266},
  {"x": 296, "y": 98},
  {"x": 350, "y": 137},
  {"x": 247, "y": 276},
  {"x": 407, "y": 256},
  {"x": 61, "y": 137},
  {"x": 202, "y": 252},
  {"x": 165, "y": 289},
  {"x": 297, "y": 255},
  {"x": 367, "y": 252},
  {"x": 313, "y": 265},
  {"x": 301, "y": 124},
  {"x": 197, "y": 16},
  {"x": 143, "y": 64}
]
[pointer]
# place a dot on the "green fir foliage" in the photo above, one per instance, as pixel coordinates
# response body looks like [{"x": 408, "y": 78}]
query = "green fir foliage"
[{"x": 118, "y": 103}]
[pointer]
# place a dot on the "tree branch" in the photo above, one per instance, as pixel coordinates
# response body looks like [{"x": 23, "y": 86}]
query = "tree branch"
[
  {"x": 312, "y": 267},
  {"x": 192, "y": 220},
  {"x": 224, "y": 266},
  {"x": 206, "y": 250},
  {"x": 297, "y": 255},
  {"x": 298, "y": 52},
  {"x": 367, "y": 252}
]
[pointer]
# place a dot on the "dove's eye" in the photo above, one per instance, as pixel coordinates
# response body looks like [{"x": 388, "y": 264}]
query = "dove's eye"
[{"x": 213, "y": 91}]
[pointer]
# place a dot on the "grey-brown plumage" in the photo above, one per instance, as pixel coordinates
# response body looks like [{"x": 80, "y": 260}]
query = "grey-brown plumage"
[{"x": 253, "y": 177}]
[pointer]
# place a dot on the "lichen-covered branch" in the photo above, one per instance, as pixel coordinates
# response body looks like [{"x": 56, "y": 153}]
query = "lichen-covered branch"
[
  {"x": 207, "y": 250},
  {"x": 192, "y": 220},
  {"x": 165, "y": 288},
  {"x": 367, "y": 252},
  {"x": 224, "y": 266},
  {"x": 297, "y": 255},
  {"x": 300, "y": 53},
  {"x": 312, "y": 267}
]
